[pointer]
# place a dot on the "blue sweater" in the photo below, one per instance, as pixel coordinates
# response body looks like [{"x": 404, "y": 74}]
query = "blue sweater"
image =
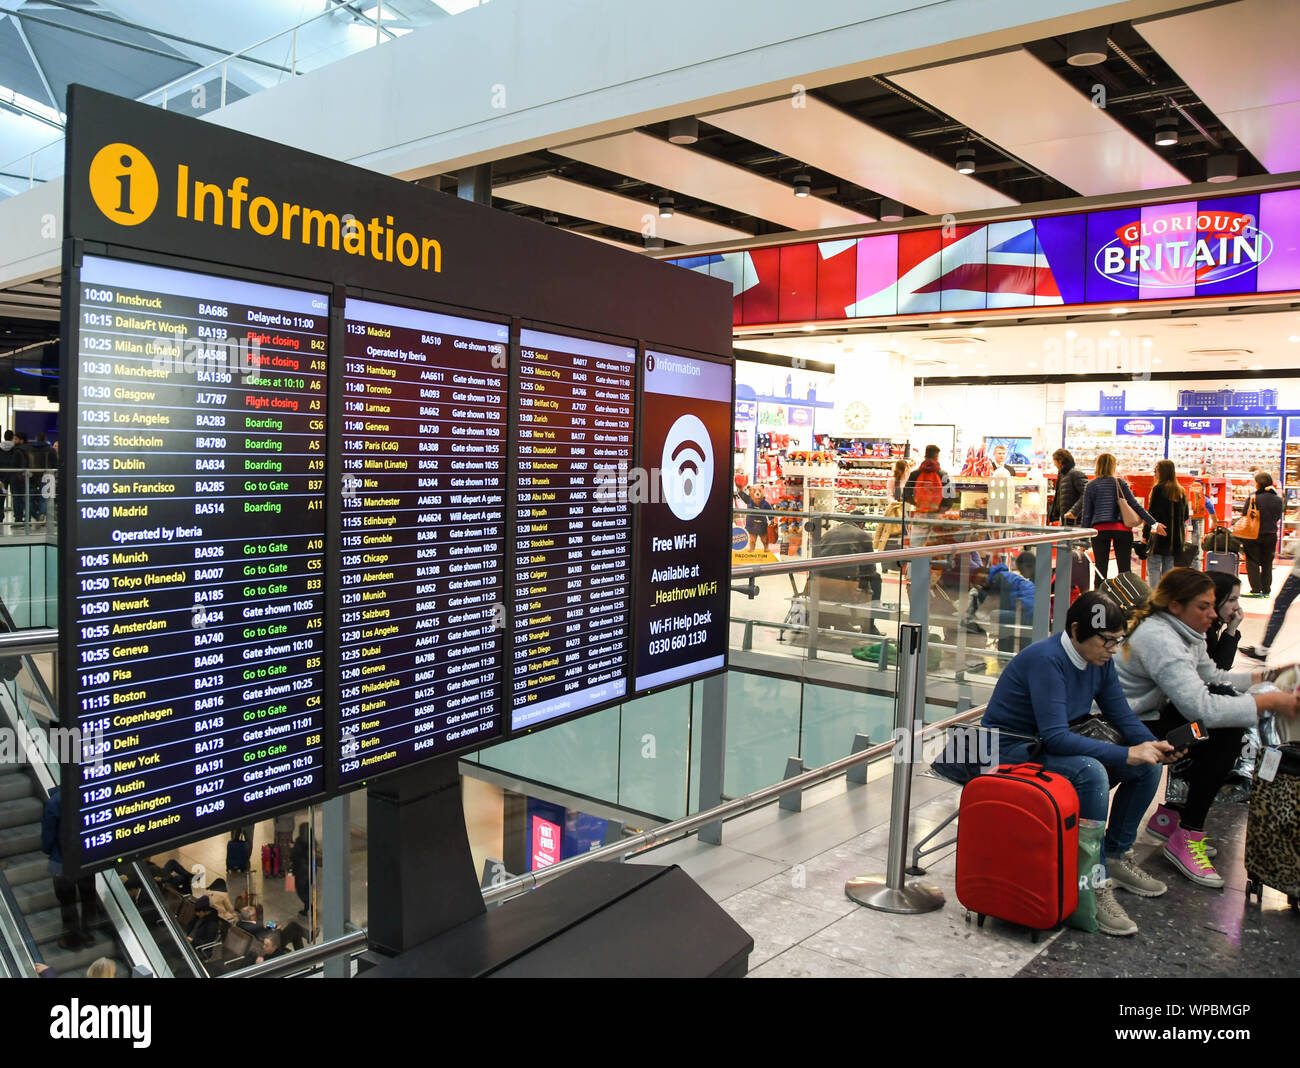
[
  {"x": 1100, "y": 502},
  {"x": 1041, "y": 692}
]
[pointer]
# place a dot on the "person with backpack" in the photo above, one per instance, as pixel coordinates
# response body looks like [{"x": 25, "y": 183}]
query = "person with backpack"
[
  {"x": 1167, "y": 501},
  {"x": 1261, "y": 547},
  {"x": 929, "y": 490},
  {"x": 1100, "y": 508}
]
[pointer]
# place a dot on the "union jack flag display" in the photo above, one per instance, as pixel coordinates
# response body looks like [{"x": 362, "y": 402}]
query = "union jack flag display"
[{"x": 1227, "y": 246}]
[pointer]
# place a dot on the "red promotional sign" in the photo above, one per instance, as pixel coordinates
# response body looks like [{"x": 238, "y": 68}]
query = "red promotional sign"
[{"x": 546, "y": 843}]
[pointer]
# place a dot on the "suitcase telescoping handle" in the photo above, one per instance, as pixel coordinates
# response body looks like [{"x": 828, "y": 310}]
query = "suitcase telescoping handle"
[{"x": 1029, "y": 771}]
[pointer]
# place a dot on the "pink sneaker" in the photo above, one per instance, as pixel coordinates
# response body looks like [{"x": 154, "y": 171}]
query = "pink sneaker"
[
  {"x": 1187, "y": 852},
  {"x": 1164, "y": 821}
]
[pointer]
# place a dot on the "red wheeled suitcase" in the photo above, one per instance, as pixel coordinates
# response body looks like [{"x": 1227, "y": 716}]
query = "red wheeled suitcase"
[
  {"x": 266, "y": 860},
  {"x": 1018, "y": 846}
]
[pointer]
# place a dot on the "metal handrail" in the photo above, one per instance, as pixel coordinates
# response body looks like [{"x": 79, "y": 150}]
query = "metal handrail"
[
  {"x": 29, "y": 947},
  {"x": 727, "y": 810},
  {"x": 187, "y": 951},
  {"x": 26, "y": 642},
  {"x": 916, "y": 552},
  {"x": 307, "y": 957}
]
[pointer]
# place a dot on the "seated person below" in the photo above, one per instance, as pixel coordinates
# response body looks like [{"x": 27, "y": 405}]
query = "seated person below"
[
  {"x": 1050, "y": 686},
  {"x": 1170, "y": 680},
  {"x": 852, "y": 583},
  {"x": 205, "y": 928},
  {"x": 1009, "y": 590}
]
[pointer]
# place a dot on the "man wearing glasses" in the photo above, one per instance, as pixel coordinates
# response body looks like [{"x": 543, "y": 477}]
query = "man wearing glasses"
[{"x": 1040, "y": 703}]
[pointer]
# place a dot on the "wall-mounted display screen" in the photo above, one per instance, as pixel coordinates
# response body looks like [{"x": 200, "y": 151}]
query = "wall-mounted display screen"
[
  {"x": 194, "y": 555},
  {"x": 571, "y": 574},
  {"x": 684, "y": 546},
  {"x": 423, "y": 535}
]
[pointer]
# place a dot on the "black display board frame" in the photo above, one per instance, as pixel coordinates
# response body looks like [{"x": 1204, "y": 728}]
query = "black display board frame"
[{"x": 490, "y": 266}]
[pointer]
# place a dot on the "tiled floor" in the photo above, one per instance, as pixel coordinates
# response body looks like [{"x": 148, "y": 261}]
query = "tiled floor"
[{"x": 781, "y": 876}]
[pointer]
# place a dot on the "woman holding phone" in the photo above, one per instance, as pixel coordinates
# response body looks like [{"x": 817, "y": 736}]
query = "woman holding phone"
[{"x": 1170, "y": 681}]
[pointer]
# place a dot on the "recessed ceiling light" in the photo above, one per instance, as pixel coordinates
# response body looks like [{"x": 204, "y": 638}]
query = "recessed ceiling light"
[
  {"x": 1167, "y": 130},
  {"x": 1072, "y": 333},
  {"x": 981, "y": 366},
  {"x": 1255, "y": 367},
  {"x": 979, "y": 330},
  {"x": 1119, "y": 311},
  {"x": 1086, "y": 48},
  {"x": 1114, "y": 332},
  {"x": 947, "y": 319},
  {"x": 808, "y": 329},
  {"x": 1157, "y": 360},
  {"x": 1032, "y": 363},
  {"x": 1294, "y": 338}
]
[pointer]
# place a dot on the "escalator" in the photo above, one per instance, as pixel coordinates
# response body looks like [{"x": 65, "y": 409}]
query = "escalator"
[{"x": 128, "y": 928}]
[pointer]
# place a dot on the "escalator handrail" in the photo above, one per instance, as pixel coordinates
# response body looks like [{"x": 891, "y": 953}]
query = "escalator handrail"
[
  {"x": 187, "y": 951},
  {"x": 128, "y": 925},
  {"x": 31, "y": 951}
]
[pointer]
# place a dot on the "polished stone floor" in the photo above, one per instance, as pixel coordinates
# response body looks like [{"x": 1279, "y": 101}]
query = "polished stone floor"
[{"x": 781, "y": 876}]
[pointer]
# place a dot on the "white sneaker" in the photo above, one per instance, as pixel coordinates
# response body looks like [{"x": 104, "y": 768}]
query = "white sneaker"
[
  {"x": 1124, "y": 872},
  {"x": 1111, "y": 917}
]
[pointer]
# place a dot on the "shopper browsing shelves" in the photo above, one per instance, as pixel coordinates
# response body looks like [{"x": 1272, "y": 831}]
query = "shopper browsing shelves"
[
  {"x": 1168, "y": 503},
  {"x": 1259, "y": 538}
]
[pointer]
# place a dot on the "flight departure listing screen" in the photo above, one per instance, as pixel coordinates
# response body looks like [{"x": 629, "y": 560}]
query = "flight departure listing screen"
[
  {"x": 683, "y": 574},
  {"x": 197, "y": 551},
  {"x": 423, "y": 535},
  {"x": 573, "y": 551}
]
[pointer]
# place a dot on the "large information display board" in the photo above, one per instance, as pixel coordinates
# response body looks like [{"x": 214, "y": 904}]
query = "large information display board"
[
  {"x": 423, "y": 535},
  {"x": 683, "y": 572},
  {"x": 198, "y": 522},
  {"x": 573, "y": 553},
  {"x": 349, "y": 480}
]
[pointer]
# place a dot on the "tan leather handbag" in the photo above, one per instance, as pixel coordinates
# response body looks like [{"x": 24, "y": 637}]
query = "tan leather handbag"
[
  {"x": 1127, "y": 515},
  {"x": 1247, "y": 527}
]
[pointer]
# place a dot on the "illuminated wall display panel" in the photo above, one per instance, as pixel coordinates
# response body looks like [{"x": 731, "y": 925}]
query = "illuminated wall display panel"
[
  {"x": 198, "y": 524},
  {"x": 573, "y": 551},
  {"x": 1216, "y": 247},
  {"x": 684, "y": 558},
  {"x": 423, "y": 535}
]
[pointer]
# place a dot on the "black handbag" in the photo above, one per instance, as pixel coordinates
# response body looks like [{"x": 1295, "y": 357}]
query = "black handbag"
[{"x": 1098, "y": 728}]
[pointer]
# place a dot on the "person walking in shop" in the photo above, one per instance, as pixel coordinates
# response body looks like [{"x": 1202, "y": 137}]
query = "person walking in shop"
[
  {"x": 1051, "y": 685},
  {"x": 897, "y": 480},
  {"x": 929, "y": 490},
  {"x": 1260, "y": 549},
  {"x": 1287, "y": 594},
  {"x": 1070, "y": 486},
  {"x": 300, "y": 864},
  {"x": 1169, "y": 679},
  {"x": 17, "y": 461},
  {"x": 66, "y": 890},
  {"x": 1168, "y": 503},
  {"x": 1100, "y": 509}
]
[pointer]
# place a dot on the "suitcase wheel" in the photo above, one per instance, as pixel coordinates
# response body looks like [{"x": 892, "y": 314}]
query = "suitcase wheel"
[
  {"x": 1254, "y": 886},
  {"x": 981, "y": 920},
  {"x": 1294, "y": 902},
  {"x": 1033, "y": 936}
]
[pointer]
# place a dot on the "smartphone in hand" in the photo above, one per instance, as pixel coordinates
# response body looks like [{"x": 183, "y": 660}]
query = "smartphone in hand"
[{"x": 1186, "y": 736}]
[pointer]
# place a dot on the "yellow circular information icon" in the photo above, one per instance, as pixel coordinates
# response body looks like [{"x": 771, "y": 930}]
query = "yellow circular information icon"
[{"x": 123, "y": 183}]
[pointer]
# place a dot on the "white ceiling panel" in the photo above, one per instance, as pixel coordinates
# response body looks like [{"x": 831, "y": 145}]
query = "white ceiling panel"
[
  {"x": 826, "y": 138},
  {"x": 1240, "y": 59},
  {"x": 1051, "y": 126},
  {"x": 694, "y": 174},
  {"x": 596, "y": 205}
]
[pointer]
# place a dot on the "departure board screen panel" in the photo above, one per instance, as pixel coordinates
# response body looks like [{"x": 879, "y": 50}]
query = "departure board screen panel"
[
  {"x": 422, "y": 570},
  {"x": 683, "y": 574},
  {"x": 573, "y": 550},
  {"x": 196, "y": 551}
]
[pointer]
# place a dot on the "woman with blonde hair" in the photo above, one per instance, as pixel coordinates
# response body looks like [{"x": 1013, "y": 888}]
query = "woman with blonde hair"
[
  {"x": 1170, "y": 680},
  {"x": 1100, "y": 508},
  {"x": 102, "y": 969}
]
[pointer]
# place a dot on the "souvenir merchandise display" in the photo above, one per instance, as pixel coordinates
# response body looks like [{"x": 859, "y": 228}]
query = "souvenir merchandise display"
[{"x": 1087, "y": 437}]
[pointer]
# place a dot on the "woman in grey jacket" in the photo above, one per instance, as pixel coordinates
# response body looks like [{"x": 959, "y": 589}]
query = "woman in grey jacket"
[{"x": 1169, "y": 679}]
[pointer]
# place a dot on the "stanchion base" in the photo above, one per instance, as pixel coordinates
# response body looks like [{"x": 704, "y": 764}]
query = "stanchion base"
[{"x": 911, "y": 898}]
